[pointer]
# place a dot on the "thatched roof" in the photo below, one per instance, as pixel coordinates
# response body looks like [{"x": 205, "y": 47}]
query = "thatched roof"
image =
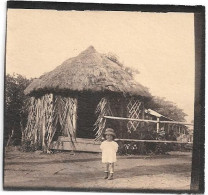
[{"x": 89, "y": 71}]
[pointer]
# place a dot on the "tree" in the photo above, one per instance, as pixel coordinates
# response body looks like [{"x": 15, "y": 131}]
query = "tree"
[
  {"x": 16, "y": 103},
  {"x": 166, "y": 108}
]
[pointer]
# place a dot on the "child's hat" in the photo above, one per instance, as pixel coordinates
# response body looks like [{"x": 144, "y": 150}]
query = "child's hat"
[{"x": 110, "y": 131}]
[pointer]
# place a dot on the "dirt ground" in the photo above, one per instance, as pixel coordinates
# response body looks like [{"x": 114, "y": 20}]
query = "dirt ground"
[{"x": 85, "y": 170}]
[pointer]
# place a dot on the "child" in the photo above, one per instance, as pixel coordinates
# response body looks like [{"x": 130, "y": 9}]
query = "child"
[{"x": 109, "y": 149}]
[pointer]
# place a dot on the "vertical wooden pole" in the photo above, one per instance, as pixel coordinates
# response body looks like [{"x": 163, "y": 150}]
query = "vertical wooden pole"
[
  {"x": 122, "y": 115},
  {"x": 143, "y": 109},
  {"x": 49, "y": 129},
  {"x": 197, "y": 174},
  {"x": 37, "y": 121},
  {"x": 75, "y": 115},
  {"x": 158, "y": 124},
  {"x": 43, "y": 124}
]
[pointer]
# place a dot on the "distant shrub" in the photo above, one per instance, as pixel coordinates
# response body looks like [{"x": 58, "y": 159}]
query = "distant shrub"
[
  {"x": 27, "y": 146},
  {"x": 16, "y": 104}
]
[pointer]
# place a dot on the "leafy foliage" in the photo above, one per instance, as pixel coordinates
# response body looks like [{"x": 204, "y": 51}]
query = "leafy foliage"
[
  {"x": 114, "y": 58},
  {"x": 27, "y": 146},
  {"x": 140, "y": 148},
  {"x": 15, "y": 106}
]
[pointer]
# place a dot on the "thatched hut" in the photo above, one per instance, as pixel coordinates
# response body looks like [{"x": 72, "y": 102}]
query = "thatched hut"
[{"x": 71, "y": 100}]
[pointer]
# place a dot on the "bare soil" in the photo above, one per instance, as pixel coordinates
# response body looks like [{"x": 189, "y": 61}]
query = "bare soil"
[{"x": 85, "y": 171}]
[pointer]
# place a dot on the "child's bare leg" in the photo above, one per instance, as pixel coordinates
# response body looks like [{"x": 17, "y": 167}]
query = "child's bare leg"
[
  {"x": 106, "y": 170},
  {"x": 111, "y": 168},
  {"x": 106, "y": 167}
]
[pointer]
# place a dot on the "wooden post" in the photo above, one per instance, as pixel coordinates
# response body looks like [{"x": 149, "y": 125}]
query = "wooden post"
[
  {"x": 48, "y": 129},
  {"x": 197, "y": 174},
  {"x": 158, "y": 124},
  {"x": 122, "y": 115},
  {"x": 75, "y": 116},
  {"x": 43, "y": 131},
  {"x": 143, "y": 111}
]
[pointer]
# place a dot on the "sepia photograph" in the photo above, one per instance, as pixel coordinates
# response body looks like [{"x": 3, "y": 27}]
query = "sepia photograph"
[{"x": 103, "y": 97}]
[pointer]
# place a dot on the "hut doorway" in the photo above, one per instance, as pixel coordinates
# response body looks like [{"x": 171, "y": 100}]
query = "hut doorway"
[{"x": 86, "y": 116}]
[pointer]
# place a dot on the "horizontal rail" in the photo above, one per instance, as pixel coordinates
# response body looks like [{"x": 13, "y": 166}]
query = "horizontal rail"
[
  {"x": 133, "y": 140},
  {"x": 129, "y": 119},
  {"x": 144, "y": 120},
  {"x": 176, "y": 122},
  {"x": 154, "y": 141}
]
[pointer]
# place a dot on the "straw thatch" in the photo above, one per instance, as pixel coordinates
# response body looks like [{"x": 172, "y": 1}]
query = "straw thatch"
[{"x": 89, "y": 71}]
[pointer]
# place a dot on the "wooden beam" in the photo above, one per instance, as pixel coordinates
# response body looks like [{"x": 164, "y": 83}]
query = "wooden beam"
[
  {"x": 143, "y": 120},
  {"x": 129, "y": 119},
  {"x": 92, "y": 141},
  {"x": 154, "y": 141},
  {"x": 177, "y": 123}
]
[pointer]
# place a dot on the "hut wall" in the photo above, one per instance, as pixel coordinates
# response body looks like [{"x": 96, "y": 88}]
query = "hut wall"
[
  {"x": 111, "y": 106},
  {"x": 64, "y": 117},
  {"x": 31, "y": 123},
  {"x": 120, "y": 107},
  {"x": 102, "y": 110},
  {"x": 39, "y": 125},
  {"x": 45, "y": 114}
]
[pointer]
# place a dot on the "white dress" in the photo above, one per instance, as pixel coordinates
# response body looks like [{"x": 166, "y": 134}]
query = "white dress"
[{"x": 109, "y": 150}]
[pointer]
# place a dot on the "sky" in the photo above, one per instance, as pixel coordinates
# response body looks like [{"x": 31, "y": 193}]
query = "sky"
[{"x": 159, "y": 45}]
